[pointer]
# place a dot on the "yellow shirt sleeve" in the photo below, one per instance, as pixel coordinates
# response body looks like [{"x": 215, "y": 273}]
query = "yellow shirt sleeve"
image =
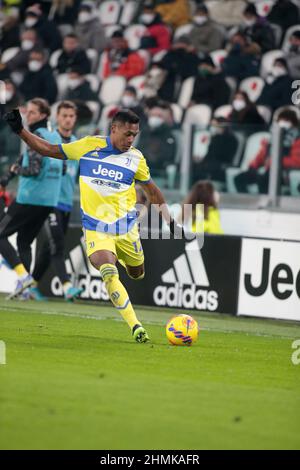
[
  {"x": 142, "y": 174},
  {"x": 75, "y": 150}
]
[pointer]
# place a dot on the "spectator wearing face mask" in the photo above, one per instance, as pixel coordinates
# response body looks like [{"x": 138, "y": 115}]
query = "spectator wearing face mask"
[
  {"x": 284, "y": 13},
  {"x": 290, "y": 156},
  {"x": 88, "y": 28},
  {"x": 39, "y": 79},
  {"x": 244, "y": 116},
  {"x": 157, "y": 37},
  {"x": 78, "y": 87},
  {"x": 173, "y": 12},
  {"x": 257, "y": 29},
  {"x": 179, "y": 63},
  {"x": 120, "y": 60},
  {"x": 46, "y": 30},
  {"x": 130, "y": 101},
  {"x": 278, "y": 90},
  {"x": 206, "y": 35},
  {"x": 157, "y": 139},
  {"x": 243, "y": 58},
  {"x": 293, "y": 55},
  {"x": 210, "y": 85},
  {"x": 29, "y": 40},
  {"x": 9, "y": 146},
  {"x": 72, "y": 55},
  {"x": 220, "y": 154}
]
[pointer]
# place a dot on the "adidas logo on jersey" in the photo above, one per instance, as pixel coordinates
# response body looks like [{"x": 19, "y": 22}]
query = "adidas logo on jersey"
[
  {"x": 113, "y": 174},
  {"x": 187, "y": 276}
]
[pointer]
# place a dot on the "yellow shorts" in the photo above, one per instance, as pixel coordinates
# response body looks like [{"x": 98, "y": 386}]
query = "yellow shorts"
[{"x": 127, "y": 248}]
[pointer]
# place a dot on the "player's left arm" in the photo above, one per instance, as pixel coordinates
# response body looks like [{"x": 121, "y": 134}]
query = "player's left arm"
[{"x": 156, "y": 197}]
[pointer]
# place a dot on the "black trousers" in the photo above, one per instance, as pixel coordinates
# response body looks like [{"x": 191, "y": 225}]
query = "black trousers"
[
  {"x": 52, "y": 247},
  {"x": 252, "y": 176},
  {"x": 26, "y": 220}
]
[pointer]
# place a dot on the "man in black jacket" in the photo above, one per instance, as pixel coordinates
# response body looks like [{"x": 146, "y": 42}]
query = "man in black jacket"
[
  {"x": 39, "y": 79},
  {"x": 72, "y": 56}
]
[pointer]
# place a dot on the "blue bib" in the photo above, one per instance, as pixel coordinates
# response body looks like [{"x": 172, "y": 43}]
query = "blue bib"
[
  {"x": 68, "y": 181},
  {"x": 43, "y": 189}
]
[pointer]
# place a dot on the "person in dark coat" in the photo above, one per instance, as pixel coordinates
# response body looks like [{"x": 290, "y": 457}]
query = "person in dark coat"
[
  {"x": 46, "y": 29},
  {"x": 78, "y": 87},
  {"x": 258, "y": 29},
  {"x": 210, "y": 85},
  {"x": 244, "y": 116},
  {"x": 243, "y": 59},
  {"x": 39, "y": 80},
  {"x": 284, "y": 13},
  {"x": 220, "y": 154},
  {"x": 180, "y": 63},
  {"x": 278, "y": 90},
  {"x": 72, "y": 55}
]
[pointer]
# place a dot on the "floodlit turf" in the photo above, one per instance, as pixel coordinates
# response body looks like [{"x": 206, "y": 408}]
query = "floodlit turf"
[{"x": 75, "y": 380}]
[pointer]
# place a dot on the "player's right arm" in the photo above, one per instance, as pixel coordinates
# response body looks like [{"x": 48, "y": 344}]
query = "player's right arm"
[{"x": 41, "y": 146}]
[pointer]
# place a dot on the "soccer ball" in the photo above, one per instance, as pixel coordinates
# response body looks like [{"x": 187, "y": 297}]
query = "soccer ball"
[{"x": 182, "y": 330}]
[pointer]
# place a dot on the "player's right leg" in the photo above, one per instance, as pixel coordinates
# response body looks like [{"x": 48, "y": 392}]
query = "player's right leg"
[
  {"x": 102, "y": 254},
  {"x": 14, "y": 219}
]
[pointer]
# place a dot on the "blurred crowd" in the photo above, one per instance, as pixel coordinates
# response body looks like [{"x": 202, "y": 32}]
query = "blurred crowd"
[{"x": 168, "y": 57}]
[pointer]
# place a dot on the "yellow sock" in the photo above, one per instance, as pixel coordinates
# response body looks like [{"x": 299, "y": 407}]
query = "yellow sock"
[
  {"x": 20, "y": 269},
  {"x": 118, "y": 294}
]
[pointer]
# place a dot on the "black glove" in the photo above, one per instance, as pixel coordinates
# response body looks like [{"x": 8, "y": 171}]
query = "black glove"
[
  {"x": 14, "y": 120},
  {"x": 176, "y": 229}
]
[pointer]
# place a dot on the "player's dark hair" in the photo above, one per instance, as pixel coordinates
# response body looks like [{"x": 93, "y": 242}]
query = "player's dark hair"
[
  {"x": 125, "y": 116},
  {"x": 66, "y": 105},
  {"x": 42, "y": 104}
]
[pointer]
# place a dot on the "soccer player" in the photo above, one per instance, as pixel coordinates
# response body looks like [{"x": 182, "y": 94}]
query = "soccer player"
[
  {"x": 109, "y": 168},
  {"x": 58, "y": 220},
  {"x": 38, "y": 191}
]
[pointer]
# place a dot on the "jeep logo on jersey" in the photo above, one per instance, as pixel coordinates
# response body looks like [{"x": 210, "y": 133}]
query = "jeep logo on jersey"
[
  {"x": 190, "y": 283},
  {"x": 115, "y": 175},
  {"x": 270, "y": 279}
]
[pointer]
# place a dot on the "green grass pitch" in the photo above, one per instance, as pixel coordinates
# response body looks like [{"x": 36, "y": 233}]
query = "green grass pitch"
[{"x": 74, "y": 379}]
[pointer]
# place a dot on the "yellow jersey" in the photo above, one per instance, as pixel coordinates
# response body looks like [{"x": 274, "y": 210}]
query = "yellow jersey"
[{"x": 106, "y": 178}]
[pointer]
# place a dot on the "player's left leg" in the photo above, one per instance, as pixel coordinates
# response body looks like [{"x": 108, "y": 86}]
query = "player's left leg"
[{"x": 102, "y": 254}]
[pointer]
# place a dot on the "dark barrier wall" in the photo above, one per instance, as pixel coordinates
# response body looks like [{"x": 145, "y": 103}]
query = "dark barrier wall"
[{"x": 178, "y": 274}]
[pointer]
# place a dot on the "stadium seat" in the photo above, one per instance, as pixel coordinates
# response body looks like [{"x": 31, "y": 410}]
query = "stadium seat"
[
  {"x": 65, "y": 29},
  {"x": 265, "y": 112},
  {"x": 232, "y": 83},
  {"x": 112, "y": 89},
  {"x": 268, "y": 60},
  {"x": 223, "y": 111},
  {"x": 139, "y": 84},
  {"x": 158, "y": 56},
  {"x": 294, "y": 182},
  {"x": 93, "y": 57},
  {"x": 54, "y": 58},
  {"x": 145, "y": 56},
  {"x": 277, "y": 30},
  {"x": 110, "y": 29},
  {"x": 133, "y": 35},
  {"x": 128, "y": 12},
  {"x": 8, "y": 54},
  {"x": 253, "y": 87},
  {"x": 109, "y": 12},
  {"x": 286, "y": 39},
  {"x": 199, "y": 114},
  {"x": 183, "y": 30},
  {"x": 263, "y": 7},
  {"x": 93, "y": 81},
  {"x": 62, "y": 84},
  {"x": 104, "y": 120},
  {"x": 201, "y": 141},
  {"x": 218, "y": 56},
  {"x": 177, "y": 112},
  {"x": 252, "y": 147},
  {"x": 186, "y": 92},
  {"x": 94, "y": 106}
]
